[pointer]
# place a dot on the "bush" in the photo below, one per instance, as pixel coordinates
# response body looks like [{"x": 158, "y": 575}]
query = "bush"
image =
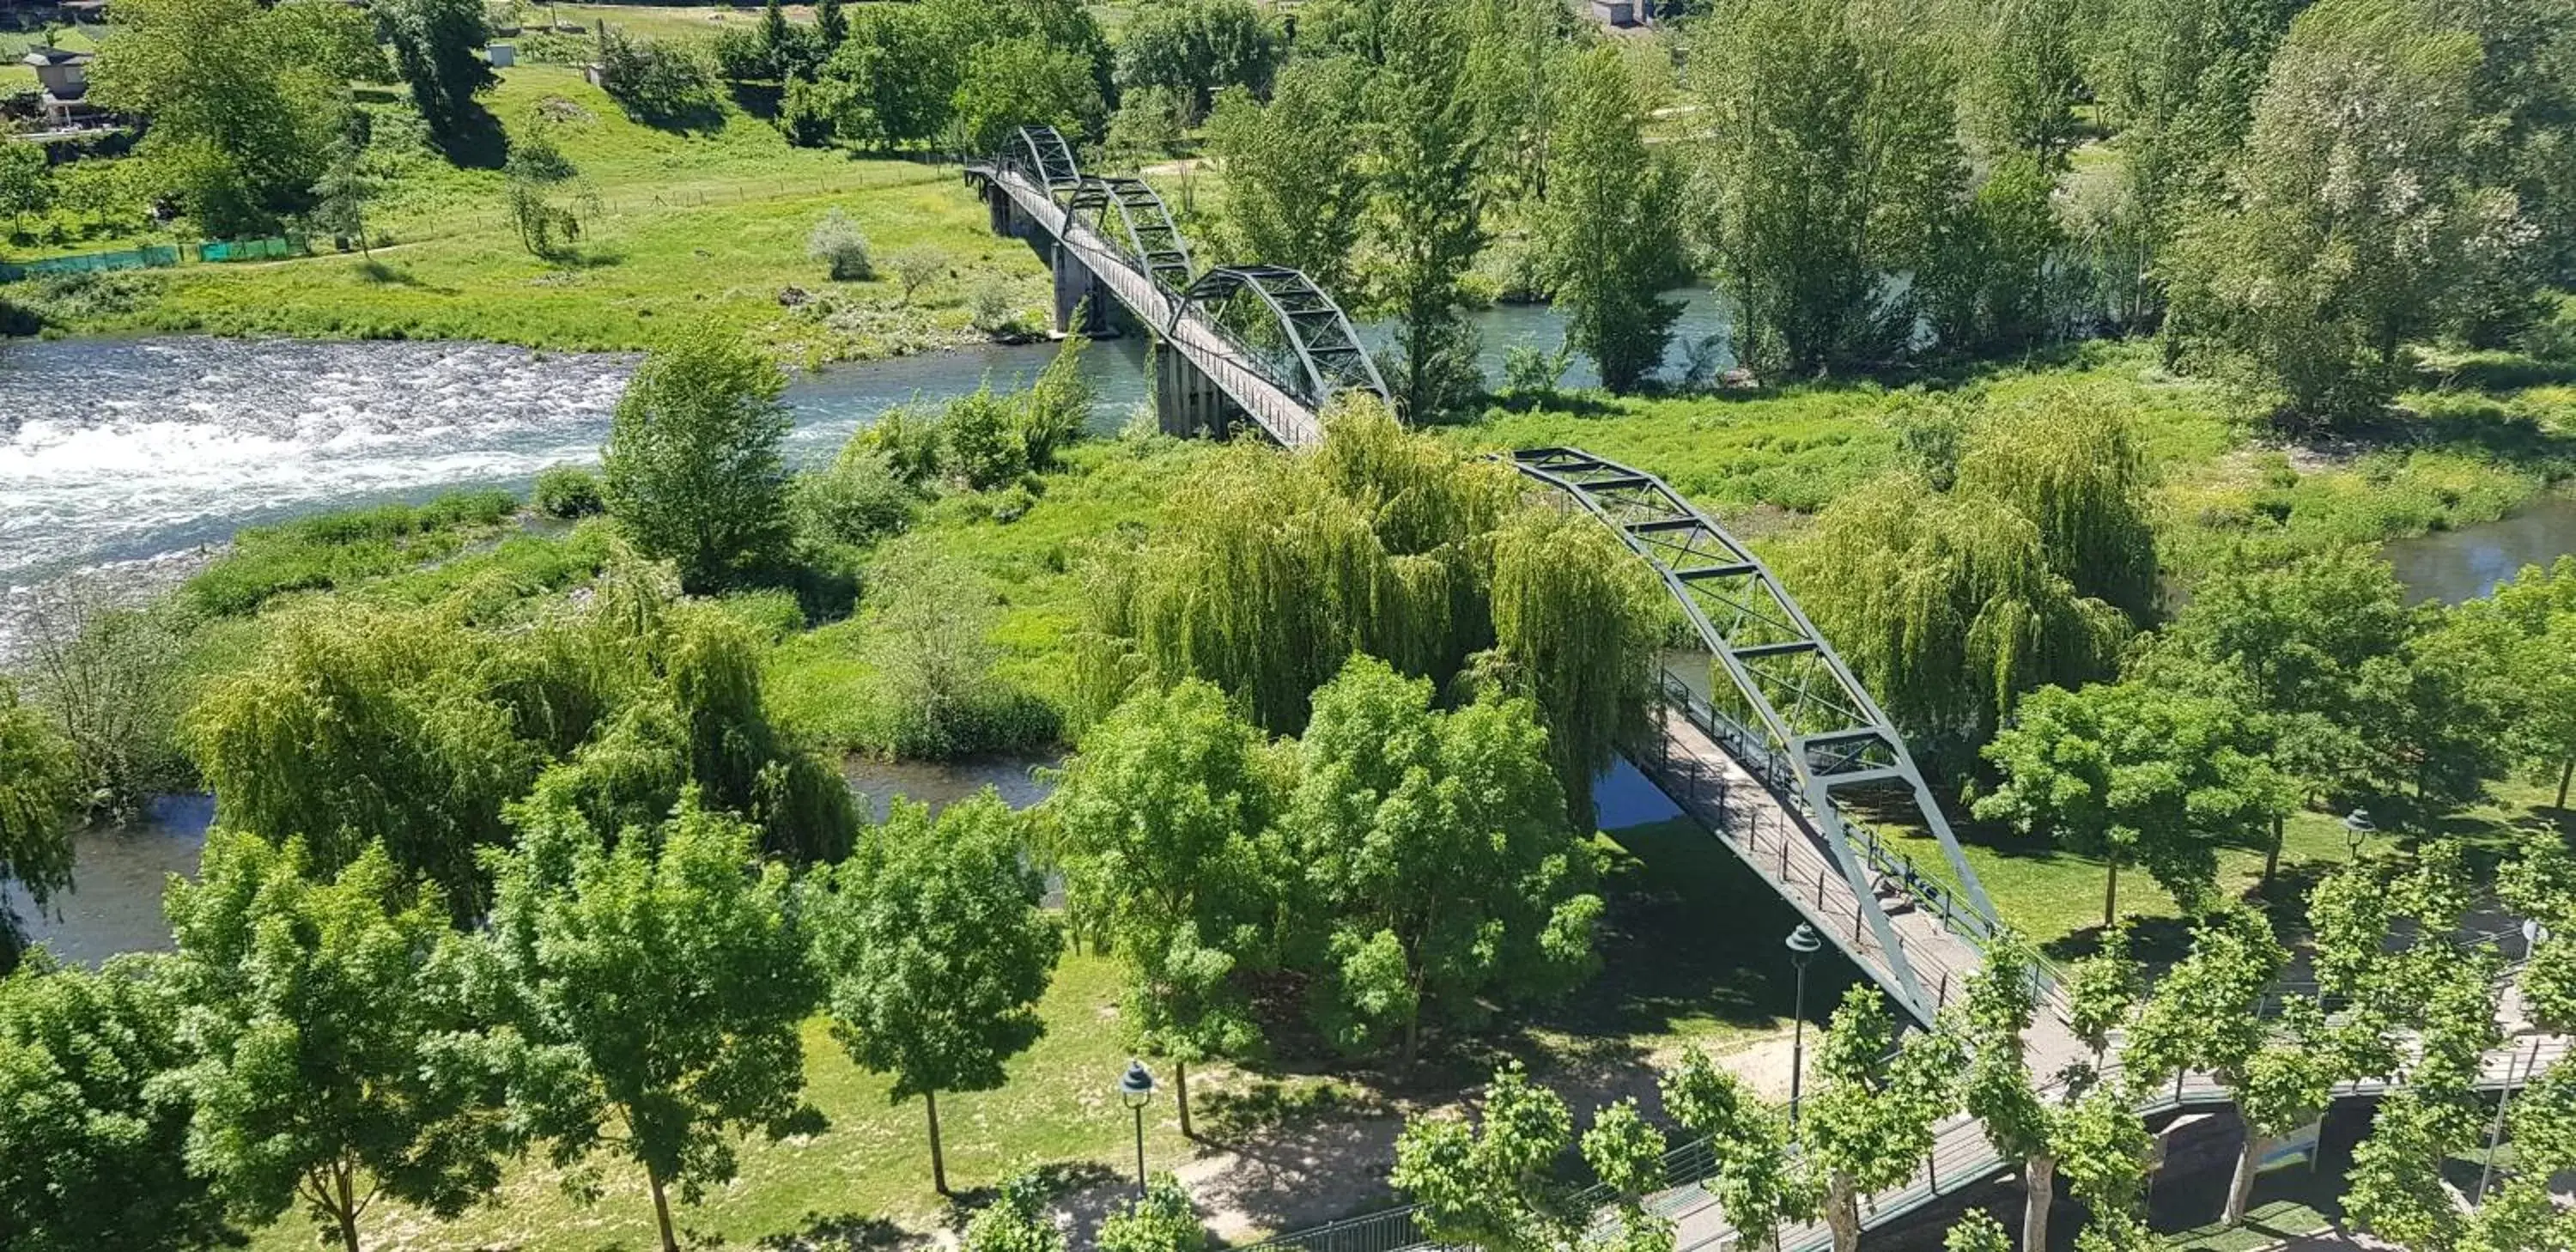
[
  {"x": 568, "y": 491},
  {"x": 1057, "y": 406},
  {"x": 990, "y": 307},
  {"x": 858, "y": 499},
  {"x": 935, "y": 695},
  {"x": 2553, "y": 338},
  {"x": 837, "y": 243},
  {"x": 742, "y": 56},
  {"x": 916, "y": 266},
  {"x": 984, "y": 445},
  {"x": 910, "y": 438}
]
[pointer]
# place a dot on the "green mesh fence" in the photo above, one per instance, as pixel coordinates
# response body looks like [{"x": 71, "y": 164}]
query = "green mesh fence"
[{"x": 273, "y": 248}]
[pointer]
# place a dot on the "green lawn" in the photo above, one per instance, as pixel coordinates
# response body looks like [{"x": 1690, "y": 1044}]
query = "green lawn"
[{"x": 681, "y": 229}]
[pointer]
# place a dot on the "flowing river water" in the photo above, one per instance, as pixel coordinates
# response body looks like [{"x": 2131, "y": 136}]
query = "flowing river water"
[{"x": 134, "y": 454}]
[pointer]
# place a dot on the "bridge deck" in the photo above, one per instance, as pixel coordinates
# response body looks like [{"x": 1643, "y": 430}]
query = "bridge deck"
[{"x": 1279, "y": 414}]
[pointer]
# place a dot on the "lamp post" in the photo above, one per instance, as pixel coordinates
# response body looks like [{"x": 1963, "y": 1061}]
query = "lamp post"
[
  {"x": 2357, "y": 828},
  {"x": 1135, "y": 1087},
  {"x": 1802, "y": 943}
]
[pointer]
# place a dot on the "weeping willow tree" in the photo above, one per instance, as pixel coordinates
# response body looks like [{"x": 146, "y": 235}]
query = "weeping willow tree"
[
  {"x": 1576, "y": 624},
  {"x": 2073, "y": 467},
  {"x": 1947, "y": 608},
  {"x": 1270, "y": 570},
  {"x": 1267, "y": 573}
]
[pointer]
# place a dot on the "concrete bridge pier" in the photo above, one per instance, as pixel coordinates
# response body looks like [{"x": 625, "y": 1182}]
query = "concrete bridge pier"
[
  {"x": 1000, "y": 211},
  {"x": 1081, "y": 301},
  {"x": 1186, "y": 400}
]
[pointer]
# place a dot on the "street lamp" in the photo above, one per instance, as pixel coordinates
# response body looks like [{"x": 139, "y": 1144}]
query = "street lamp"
[
  {"x": 1135, "y": 1087},
  {"x": 1802, "y": 944},
  {"x": 2357, "y": 828}
]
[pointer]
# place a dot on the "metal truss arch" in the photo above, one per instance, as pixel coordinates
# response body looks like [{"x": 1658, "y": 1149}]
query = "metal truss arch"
[
  {"x": 1814, "y": 733},
  {"x": 1143, "y": 222},
  {"x": 1329, "y": 357},
  {"x": 1041, "y": 155}
]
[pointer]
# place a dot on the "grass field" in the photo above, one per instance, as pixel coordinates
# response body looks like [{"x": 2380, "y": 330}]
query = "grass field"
[{"x": 680, "y": 228}]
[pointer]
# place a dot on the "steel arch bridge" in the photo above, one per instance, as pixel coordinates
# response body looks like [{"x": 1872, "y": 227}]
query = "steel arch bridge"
[
  {"x": 1785, "y": 707},
  {"x": 1298, "y": 334},
  {"x": 1260, "y": 340},
  {"x": 1141, "y": 220}
]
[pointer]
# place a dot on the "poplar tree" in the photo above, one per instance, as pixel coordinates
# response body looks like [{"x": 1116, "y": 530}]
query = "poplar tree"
[
  {"x": 1427, "y": 224},
  {"x": 1611, "y": 225},
  {"x": 1296, "y": 193}
]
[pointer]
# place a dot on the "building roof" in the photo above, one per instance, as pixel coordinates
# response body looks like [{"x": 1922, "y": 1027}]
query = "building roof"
[{"x": 55, "y": 56}]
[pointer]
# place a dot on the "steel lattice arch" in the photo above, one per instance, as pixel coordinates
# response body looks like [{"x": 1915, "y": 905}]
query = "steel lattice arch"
[
  {"x": 1287, "y": 329},
  {"x": 1799, "y": 717}
]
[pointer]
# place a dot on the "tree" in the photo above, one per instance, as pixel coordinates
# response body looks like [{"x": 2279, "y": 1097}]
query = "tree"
[
  {"x": 1026, "y": 81},
  {"x": 434, "y": 43},
  {"x": 1519, "y": 63},
  {"x": 934, "y": 618},
  {"x": 2205, "y": 1013},
  {"x": 658, "y": 986},
  {"x": 936, "y": 951},
  {"x": 1627, "y": 1155},
  {"x": 1998, "y": 1089},
  {"x": 1869, "y": 1118},
  {"x": 2020, "y": 94},
  {"x": 26, "y": 181},
  {"x": 2287, "y": 1083},
  {"x": 1016, "y": 1221},
  {"x": 1437, "y": 847},
  {"x": 1760, "y": 1182},
  {"x": 533, "y": 172},
  {"x": 831, "y": 24},
  {"x": 2075, "y": 469},
  {"x": 1427, "y": 219},
  {"x": 1161, "y": 1220},
  {"x": 1198, "y": 48},
  {"x": 2541, "y": 607},
  {"x": 2102, "y": 1150},
  {"x": 2352, "y": 207},
  {"x": 2132, "y": 773},
  {"x": 2434, "y": 716},
  {"x": 776, "y": 38},
  {"x": 890, "y": 81},
  {"x": 2103, "y": 990},
  {"x": 1830, "y": 159},
  {"x": 1161, "y": 813},
  {"x": 692, "y": 468},
  {"x": 337, "y": 1057},
  {"x": 1976, "y": 1232},
  {"x": 916, "y": 267},
  {"x": 39, "y": 798},
  {"x": 1295, "y": 192},
  {"x": 1575, "y": 629},
  {"x": 242, "y": 124},
  {"x": 665, "y": 82},
  {"x": 1486, "y": 1184},
  {"x": 1612, "y": 223},
  {"x": 340, "y": 199},
  {"x": 95, "y": 1139}
]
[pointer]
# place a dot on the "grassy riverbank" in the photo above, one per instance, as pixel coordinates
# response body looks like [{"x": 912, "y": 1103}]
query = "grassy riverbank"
[{"x": 697, "y": 226}]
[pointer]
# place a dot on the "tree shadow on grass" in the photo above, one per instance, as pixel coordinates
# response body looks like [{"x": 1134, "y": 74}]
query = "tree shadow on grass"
[
  {"x": 475, "y": 141},
  {"x": 383, "y": 275},
  {"x": 843, "y": 1232}
]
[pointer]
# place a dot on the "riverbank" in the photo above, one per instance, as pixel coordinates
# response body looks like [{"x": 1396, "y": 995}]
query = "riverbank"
[{"x": 706, "y": 225}]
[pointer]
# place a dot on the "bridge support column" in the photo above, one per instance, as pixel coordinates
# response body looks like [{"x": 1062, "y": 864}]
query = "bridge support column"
[
  {"x": 1080, "y": 300},
  {"x": 1186, "y": 401},
  {"x": 998, "y": 208}
]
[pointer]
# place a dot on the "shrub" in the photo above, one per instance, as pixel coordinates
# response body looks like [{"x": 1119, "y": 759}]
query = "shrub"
[
  {"x": 858, "y": 499},
  {"x": 837, "y": 243},
  {"x": 1057, "y": 406},
  {"x": 910, "y": 438},
  {"x": 916, "y": 266},
  {"x": 1533, "y": 371},
  {"x": 984, "y": 444},
  {"x": 990, "y": 307},
  {"x": 935, "y": 695},
  {"x": 568, "y": 491},
  {"x": 741, "y": 54}
]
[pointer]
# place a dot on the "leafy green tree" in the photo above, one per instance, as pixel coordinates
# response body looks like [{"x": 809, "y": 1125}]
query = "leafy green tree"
[
  {"x": 2286, "y": 1084},
  {"x": 2102, "y": 1150},
  {"x": 241, "y": 124},
  {"x": 1427, "y": 218},
  {"x": 340, "y": 199},
  {"x": 692, "y": 468},
  {"x": 1487, "y": 1184},
  {"x": 2021, "y": 91},
  {"x": 2132, "y": 773},
  {"x": 2103, "y": 990},
  {"x": 1519, "y": 58},
  {"x": 1868, "y": 1119},
  {"x": 533, "y": 172},
  {"x": 2433, "y": 717},
  {"x": 1198, "y": 48},
  {"x": 936, "y": 951},
  {"x": 2353, "y": 204},
  {"x": 26, "y": 182},
  {"x": 2205, "y": 1014},
  {"x": 2540, "y": 604},
  {"x": 776, "y": 38},
  {"x": 831, "y": 23},
  {"x": 434, "y": 43},
  {"x": 1998, "y": 1089},
  {"x": 658, "y": 986},
  {"x": 1575, "y": 629},
  {"x": 2076, "y": 470},
  {"x": 887, "y": 84},
  {"x": 1612, "y": 223},
  {"x": 1161, "y": 1220},
  {"x": 1161, "y": 813},
  {"x": 1976, "y": 1232},
  {"x": 1438, "y": 851},
  {"x": 1025, "y": 81},
  {"x": 40, "y": 795},
  {"x": 358, "y": 726},
  {"x": 93, "y": 1138},
  {"x": 337, "y": 1057},
  {"x": 1016, "y": 1221},
  {"x": 1295, "y": 191},
  {"x": 1760, "y": 1182},
  {"x": 934, "y": 616},
  {"x": 1626, "y": 1153}
]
